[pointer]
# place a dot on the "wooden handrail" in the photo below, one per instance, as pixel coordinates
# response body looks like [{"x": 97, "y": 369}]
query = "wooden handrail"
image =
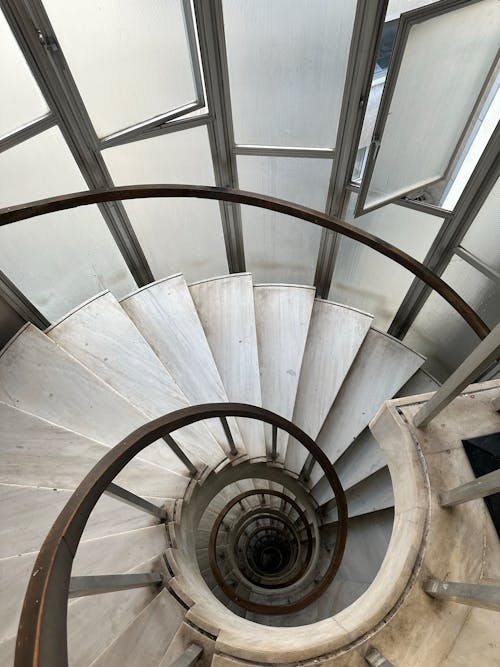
[{"x": 41, "y": 207}]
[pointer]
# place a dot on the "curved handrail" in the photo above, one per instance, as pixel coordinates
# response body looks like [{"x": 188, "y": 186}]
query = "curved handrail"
[
  {"x": 32, "y": 209},
  {"x": 42, "y": 632}
]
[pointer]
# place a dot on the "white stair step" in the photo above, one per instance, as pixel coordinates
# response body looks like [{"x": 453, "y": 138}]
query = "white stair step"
[
  {"x": 39, "y": 377},
  {"x": 226, "y": 310},
  {"x": 364, "y": 456},
  {"x": 101, "y": 335},
  {"x": 145, "y": 641},
  {"x": 166, "y": 316},
  {"x": 372, "y": 494},
  {"x": 335, "y": 335},
  {"x": 36, "y": 452},
  {"x": 380, "y": 369},
  {"x": 94, "y": 622},
  {"x": 282, "y": 315}
]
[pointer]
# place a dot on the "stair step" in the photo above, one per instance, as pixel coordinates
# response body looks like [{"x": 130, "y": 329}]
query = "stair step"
[
  {"x": 36, "y": 452},
  {"x": 335, "y": 335},
  {"x": 39, "y": 377},
  {"x": 380, "y": 369},
  {"x": 282, "y": 315},
  {"x": 226, "y": 310},
  {"x": 371, "y": 495},
  {"x": 166, "y": 316},
  {"x": 145, "y": 641},
  {"x": 101, "y": 335}
]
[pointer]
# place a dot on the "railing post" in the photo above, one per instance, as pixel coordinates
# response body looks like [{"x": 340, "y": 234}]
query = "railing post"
[
  {"x": 232, "y": 447},
  {"x": 375, "y": 659},
  {"x": 477, "y": 362},
  {"x": 108, "y": 583},
  {"x": 486, "y": 596},
  {"x": 130, "y": 498},
  {"x": 189, "y": 657},
  {"x": 274, "y": 450},
  {"x": 483, "y": 486},
  {"x": 180, "y": 454}
]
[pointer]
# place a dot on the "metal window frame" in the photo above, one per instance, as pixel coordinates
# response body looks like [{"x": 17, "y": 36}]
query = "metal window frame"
[
  {"x": 27, "y": 131},
  {"x": 406, "y": 22}
]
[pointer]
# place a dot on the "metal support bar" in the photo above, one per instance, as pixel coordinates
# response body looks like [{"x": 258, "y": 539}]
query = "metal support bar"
[
  {"x": 232, "y": 447},
  {"x": 481, "y": 487},
  {"x": 274, "y": 449},
  {"x": 27, "y": 131},
  {"x": 130, "y": 498},
  {"x": 214, "y": 59},
  {"x": 451, "y": 234},
  {"x": 180, "y": 454},
  {"x": 480, "y": 358},
  {"x": 368, "y": 24},
  {"x": 108, "y": 583},
  {"x": 305, "y": 473},
  {"x": 486, "y": 596},
  {"x": 21, "y": 304},
  {"x": 190, "y": 656},
  {"x": 375, "y": 659},
  {"x": 478, "y": 264}
]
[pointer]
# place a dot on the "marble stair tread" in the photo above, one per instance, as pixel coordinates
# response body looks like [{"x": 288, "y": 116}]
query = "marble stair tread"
[
  {"x": 282, "y": 315},
  {"x": 381, "y": 367},
  {"x": 145, "y": 641},
  {"x": 419, "y": 383},
  {"x": 37, "y": 452},
  {"x": 226, "y": 310},
  {"x": 94, "y": 622},
  {"x": 166, "y": 316},
  {"x": 335, "y": 335},
  {"x": 371, "y": 495},
  {"x": 101, "y": 335},
  {"x": 39, "y": 377}
]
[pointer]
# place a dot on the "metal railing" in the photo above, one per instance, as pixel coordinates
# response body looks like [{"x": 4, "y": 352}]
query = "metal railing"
[{"x": 42, "y": 632}]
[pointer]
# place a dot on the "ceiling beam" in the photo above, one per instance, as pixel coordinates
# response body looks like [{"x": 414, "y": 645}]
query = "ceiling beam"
[
  {"x": 368, "y": 24},
  {"x": 38, "y": 42},
  {"x": 212, "y": 44},
  {"x": 451, "y": 234}
]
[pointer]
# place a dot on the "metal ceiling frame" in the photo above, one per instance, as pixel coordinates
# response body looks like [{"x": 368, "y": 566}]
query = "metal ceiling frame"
[
  {"x": 406, "y": 22},
  {"x": 451, "y": 234},
  {"x": 27, "y": 131}
]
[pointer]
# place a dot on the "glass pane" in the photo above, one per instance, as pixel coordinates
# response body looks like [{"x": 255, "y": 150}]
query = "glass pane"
[
  {"x": 130, "y": 59},
  {"x": 440, "y": 333},
  {"x": 22, "y": 101},
  {"x": 280, "y": 248},
  {"x": 177, "y": 235},
  {"x": 366, "y": 279},
  {"x": 483, "y": 237},
  {"x": 438, "y": 83},
  {"x": 287, "y": 62},
  {"x": 61, "y": 259}
]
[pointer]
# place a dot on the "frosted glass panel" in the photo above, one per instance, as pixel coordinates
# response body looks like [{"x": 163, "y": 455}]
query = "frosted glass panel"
[
  {"x": 130, "y": 59},
  {"x": 177, "y": 235},
  {"x": 443, "y": 69},
  {"x": 22, "y": 101},
  {"x": 440, "y": 333},
  {"x": 279, "y": 248},
  {"x": 287, "y": 61},
  {"x": 483, "y": 237},
  {"x": 371, "y": 282},
  {"x": 61, "y": 259}
]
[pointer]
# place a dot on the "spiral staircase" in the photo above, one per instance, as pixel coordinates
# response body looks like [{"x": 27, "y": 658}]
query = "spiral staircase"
[{"x": 224, "y": 541}]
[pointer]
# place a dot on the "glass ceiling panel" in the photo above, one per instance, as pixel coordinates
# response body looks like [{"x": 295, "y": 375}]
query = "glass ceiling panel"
[
  {"x": 22, "y": 101},
  {"x": 61, "y": 259},
  {"x": 483, "y": 237},
  {"x": 130, "y": 59},
  {"x": 279, "y": 248},
  {"x": 428, "y": 100},
  {"x": 369, "y": 281},
  {"x": 287, "y": 62},
  {"x": 440, "y": 333},
  {"x": 177, "y": 235}
]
